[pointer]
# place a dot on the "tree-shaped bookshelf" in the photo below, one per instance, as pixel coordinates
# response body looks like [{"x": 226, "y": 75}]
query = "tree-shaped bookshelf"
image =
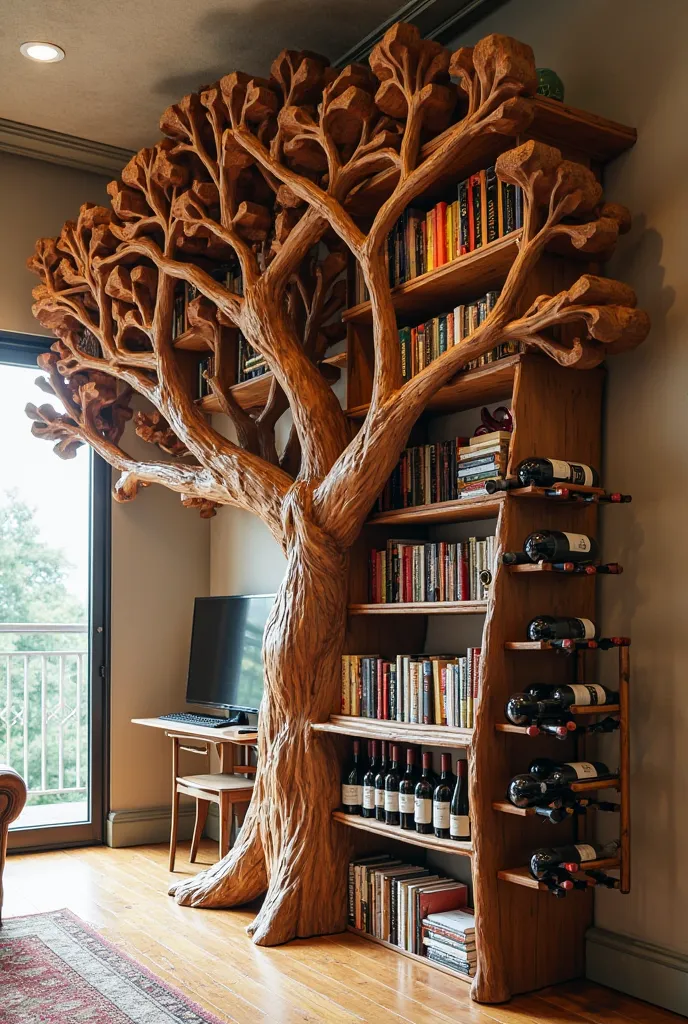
[{"x": 287, "y": 179}]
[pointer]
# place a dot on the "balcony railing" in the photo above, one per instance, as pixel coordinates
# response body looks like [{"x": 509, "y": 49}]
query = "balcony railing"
[{"x": 44, "y": 716}]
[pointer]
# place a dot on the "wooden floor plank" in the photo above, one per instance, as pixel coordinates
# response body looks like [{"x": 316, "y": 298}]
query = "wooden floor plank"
[{"x": 335, "y": 979}]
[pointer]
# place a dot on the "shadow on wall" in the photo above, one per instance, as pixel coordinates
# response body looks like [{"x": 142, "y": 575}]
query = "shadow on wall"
[{"x": 292, "y": 24}]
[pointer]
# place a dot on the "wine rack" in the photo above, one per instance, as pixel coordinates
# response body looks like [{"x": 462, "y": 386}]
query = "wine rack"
[{"x": 557, "y": 413}]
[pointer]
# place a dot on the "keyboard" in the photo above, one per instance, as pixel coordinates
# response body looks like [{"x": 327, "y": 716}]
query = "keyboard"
[{"x": 188, "y": 718}]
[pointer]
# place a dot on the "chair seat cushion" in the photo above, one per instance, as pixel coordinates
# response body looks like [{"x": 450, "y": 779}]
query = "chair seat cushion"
[{"x": 218, "y": 783}]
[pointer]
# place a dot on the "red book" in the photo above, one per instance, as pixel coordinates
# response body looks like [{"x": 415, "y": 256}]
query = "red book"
[
  {"x": 440, "y": 234},
  {"x": 436, "y": 901},
  {"x": 408, "y": 574},
  {"x": 471, "y": 214},
  {"x": 383, "y": 711},
  {"x": 462, "y": 571}
]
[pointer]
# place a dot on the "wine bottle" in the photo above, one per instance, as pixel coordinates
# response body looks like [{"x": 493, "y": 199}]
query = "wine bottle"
[
  {"x": 380, "y": 784},
  {"x": 572, "y": 857},
  {"x": 547, "y": 780},
  {"x": 352, "y": 782},
  {"x": 515, "y": 558},
  {"x": 559, "y": 546},
  {"x": 441, "y": 799},
  {"x": 425, "y": 788},
  {"x": 392, "y": 780},
  {"x": 407, "y": 789},
  {"x": 553, "y": 627},
  {"x": 368, "y": 801},
  {"x": 524, "y": 708},
  {"x": 459, "y": 818},
  {"x": 583, "y": 695},
  {"x": 545, "y": 472}
]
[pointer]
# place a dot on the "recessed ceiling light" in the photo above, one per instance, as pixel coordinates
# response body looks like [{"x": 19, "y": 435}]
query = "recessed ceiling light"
[{"x": 46, "y": 53}]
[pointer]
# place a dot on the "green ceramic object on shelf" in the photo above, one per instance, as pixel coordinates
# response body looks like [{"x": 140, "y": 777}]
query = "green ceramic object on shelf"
[{"x": 550, "y": 84}]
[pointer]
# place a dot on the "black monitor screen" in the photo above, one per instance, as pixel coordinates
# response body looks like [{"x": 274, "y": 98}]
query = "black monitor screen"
[{"x": 226, "y": 665}]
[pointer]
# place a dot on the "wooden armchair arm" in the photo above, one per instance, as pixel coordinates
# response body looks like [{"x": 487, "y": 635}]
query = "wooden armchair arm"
[{"x": 12, "y": 800}]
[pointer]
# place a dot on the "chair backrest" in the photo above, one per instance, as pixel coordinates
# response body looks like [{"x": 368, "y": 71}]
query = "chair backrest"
[{"x": 12, "y": 800}]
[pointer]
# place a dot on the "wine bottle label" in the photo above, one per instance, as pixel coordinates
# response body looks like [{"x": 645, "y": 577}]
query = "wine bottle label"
[
  {"x": 352, "y": 796},
  {"x": 440, "y": 814},
  {"x": 586, "y": 852},
  {"x": 573, "y": 472},
  {"x": 379, "y": 798},
  {"x": 422, "y": 810},
  {"x": 369, "y": 798},
  {"x": 583, "y": 769},
  {"x": 407, "y": 803},
  {"x": 577, "y": 542},
  {"x": 392, "y": 801},
  {"x": 588, "y": 693},
  {"x": 588, "y": 629},
  {"x": 459, "y": 826}
]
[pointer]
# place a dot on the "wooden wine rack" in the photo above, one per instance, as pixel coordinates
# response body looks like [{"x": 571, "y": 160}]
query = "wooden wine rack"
[{"x": 557, "y": 413}]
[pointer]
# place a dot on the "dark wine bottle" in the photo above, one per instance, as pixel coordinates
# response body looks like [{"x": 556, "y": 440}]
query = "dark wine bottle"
[
  {"x": 407, "y": 790},
  {"x": 459, "y": 817},
  {"x": 524, "y": 708},
  {"x": 545, "y": 472},
  {"x": 583, "y": 695},
  {"x": 515, "y": 558},
  {"x": 425, "y": 788},
  {"x": 441, "y": 799},
  {"x": 552, "y": 627},
  {"x": 380, "y": 784},
  {"x": 392, "y": 779},
  {"x": 559, "y": 546},
  {"x": 368, "y": 802},
  {"x": 352, "y": 782},
  {"x": 548, "y": 859},
  {"x": 547, "y": 780}
]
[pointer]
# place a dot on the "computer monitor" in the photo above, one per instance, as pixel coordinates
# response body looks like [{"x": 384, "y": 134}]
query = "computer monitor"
[{"x": 226, "y": 664}]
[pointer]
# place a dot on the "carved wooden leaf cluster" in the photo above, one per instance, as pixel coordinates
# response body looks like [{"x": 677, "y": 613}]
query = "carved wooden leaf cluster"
[{"x": 263, "y": 175}]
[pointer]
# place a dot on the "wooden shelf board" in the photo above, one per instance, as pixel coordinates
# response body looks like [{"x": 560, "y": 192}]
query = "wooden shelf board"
[
  {"x": 396, "y": 732},
  {"x": 540, "y": 492},
  {"x": 522, "y": 876},
  {"x": 430, "y": 842},
  {"x": 595, "y": 784},
  {"x": 412, "y": 956},
  {"x": 506, "y": 807},
  {"x": 486, "y": 507},
  {"x": 462, "y": 278},
  {"x": 540, "y": 567},
  {"x": 252, "y": 394},
  {"x": 468, "y": 390},
  {"x": 421, "y": 608},
  {"x": 191, "y": 341},
  {"x": 529, "y": 645},
  {"x": 575, "y": 709}
]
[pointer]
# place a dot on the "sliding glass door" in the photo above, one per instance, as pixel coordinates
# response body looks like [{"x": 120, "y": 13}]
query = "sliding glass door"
[{"x": 54, "y": 543}]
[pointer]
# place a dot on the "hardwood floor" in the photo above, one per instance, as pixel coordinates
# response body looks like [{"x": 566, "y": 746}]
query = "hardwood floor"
[{"x": 339, "y": 979}]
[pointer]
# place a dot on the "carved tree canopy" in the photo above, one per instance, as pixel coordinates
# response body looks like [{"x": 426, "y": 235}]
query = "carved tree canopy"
[{"x": 264, "y": 173}]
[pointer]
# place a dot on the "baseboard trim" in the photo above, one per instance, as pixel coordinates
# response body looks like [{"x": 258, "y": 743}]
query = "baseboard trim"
[
  {"x": 144, "y": 825},
  {"x": 639, "y": 969}
]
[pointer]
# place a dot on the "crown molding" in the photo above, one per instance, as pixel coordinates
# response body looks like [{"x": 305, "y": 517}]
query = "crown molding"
[
  {"x": 435, "y": 19},
  {"x": 43, "y": 144}
]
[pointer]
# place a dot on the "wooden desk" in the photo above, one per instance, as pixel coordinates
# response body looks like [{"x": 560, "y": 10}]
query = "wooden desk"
[{"x": 226, "y": 738}]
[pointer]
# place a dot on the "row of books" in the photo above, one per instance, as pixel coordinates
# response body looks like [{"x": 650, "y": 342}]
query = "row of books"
[
  {"x": 229, "y": 275},
  {"x": 482, "y": 210},
  {"x": 407, "y": 571},
  {"x": 250, "y": 363},
  {"x": 484, "y": 458},
  {"x": 419, "y": 689},
  {"x": 413, "y": 908},
  {"x": 422, "y": 344}
]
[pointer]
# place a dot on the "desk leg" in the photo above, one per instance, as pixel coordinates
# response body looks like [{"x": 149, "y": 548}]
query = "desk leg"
[
  {"x": 227, "y": 758},
  {"x": 175, "y": 801}
]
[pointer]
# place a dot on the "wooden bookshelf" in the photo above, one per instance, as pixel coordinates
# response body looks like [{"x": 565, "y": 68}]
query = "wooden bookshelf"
[
  {"x": 461, "y": 510},
  {"x": 522, "y": 876},
  {"x": 421, "y": 608},
  {"x": 396, "y": 732},
  {"x": 411, "y": 956},
  {"x": 428, "y": 842},
  {"x": 253, "y": 394},
  {"x": 493, "y": 382}
]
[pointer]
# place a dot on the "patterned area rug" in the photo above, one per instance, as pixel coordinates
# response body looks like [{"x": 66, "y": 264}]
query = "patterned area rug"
[{"x": 54, "y": 968}]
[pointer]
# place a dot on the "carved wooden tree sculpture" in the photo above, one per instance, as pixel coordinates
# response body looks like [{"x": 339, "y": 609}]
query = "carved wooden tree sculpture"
[{"x": 264, "y": 172}]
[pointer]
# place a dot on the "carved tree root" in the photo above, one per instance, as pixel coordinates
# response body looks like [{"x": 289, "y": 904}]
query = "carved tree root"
[{"x": 238, "y": 878}]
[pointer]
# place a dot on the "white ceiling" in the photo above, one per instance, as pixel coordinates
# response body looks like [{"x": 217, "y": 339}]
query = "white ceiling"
[{"x": 127, "y": 60}]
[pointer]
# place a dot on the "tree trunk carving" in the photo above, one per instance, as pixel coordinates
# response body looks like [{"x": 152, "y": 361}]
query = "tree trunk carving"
[{"x": 264, "y": 175}]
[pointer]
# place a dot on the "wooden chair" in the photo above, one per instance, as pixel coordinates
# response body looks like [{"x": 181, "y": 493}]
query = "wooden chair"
[
  {"x": 12, "y": 800},
  {"x": 226, "y": 789}
]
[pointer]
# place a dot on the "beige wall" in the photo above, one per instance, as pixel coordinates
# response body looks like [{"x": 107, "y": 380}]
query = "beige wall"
[
  {"x": 160, "y": 550},
  {"x": 626, "y": 59}
]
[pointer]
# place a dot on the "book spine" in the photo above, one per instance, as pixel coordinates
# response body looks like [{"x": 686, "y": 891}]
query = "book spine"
[
  {"x": 427, "y": 693},
  {"x": 477, "y": 205},
  {"x": 464, "y": 219}
]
